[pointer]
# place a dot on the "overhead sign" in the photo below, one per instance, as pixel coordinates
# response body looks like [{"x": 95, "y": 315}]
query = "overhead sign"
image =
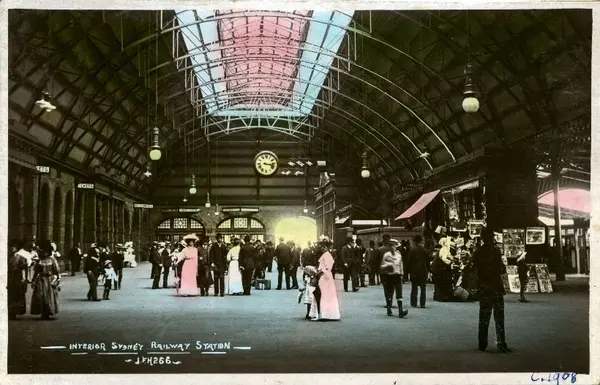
[
  {"x": 240, "y": 210},
  {"x": 188, "y": 210},
  {"x": 86, "y": 186},
  {"x": 43, "y": 169},
  {"x": 142, "y": 206},
  {"x": 369, "y": 222},
  {"x": 170, "y": 210}
]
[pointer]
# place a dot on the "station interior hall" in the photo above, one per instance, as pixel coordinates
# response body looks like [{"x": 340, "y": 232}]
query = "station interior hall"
[{"x": 134, "y": 131}]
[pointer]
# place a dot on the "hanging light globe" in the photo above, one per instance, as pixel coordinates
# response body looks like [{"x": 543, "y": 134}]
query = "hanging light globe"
[
  {"x": 184, "y": 200},
  {"x": 155, "y": 153},
  {"x": 305, "y": 210},
  {"x": 470, "y": 104},
  {"x": 365, "y": 173},
  {"x": 193, "y": 189},
  {"x": 207, "y": 204}
]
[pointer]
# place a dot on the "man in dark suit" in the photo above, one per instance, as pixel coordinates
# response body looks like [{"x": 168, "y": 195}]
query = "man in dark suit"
[
  {"x": 118, "y": 261},
  {"x": 165, "y": 256},
  {"x": 490, "y": 268},
  {"x": 156, "y": 261},
  {"x": 247, "y": 263},
  {"x": 217, "y": 257},
  {"x": 75, "y": 258},
  {"x": 348, "y": 256},
  {"x": 308, "y": 256},
  {"x": 294, "y": 264},
  {"x": 359, "y": 262},
  {"x": 91, "y": 267},
  {"x": 283, "y": 253},
  {"x": 418, "y": 268}
]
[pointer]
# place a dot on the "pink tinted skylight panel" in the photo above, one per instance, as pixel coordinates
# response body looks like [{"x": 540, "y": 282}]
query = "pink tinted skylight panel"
[
  {"x": 261, "y": 56},
  {"x": 572, "y": 199}
]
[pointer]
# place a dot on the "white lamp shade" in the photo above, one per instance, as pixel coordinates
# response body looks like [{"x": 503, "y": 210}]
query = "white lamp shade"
[
  {"x": 155, "y": 153},
  {"x": 207, "y": 204},
  {"x": 365, "y": 173},
  {"x": 470, "y": 105},
  {"x": 193, "y": 189},
  {"x": 305, "y": 210}
]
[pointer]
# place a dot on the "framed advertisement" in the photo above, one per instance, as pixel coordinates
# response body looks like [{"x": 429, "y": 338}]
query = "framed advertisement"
[
  {"x": 514, "y": 242},
  {"x": 475, "y": 228},
  {"x": 535, "y": 236}
]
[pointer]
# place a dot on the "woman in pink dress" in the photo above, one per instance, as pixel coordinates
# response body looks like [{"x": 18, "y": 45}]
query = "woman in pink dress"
[
  {"x": 189, "y": 255},
  {"x": 328, "y": 307}
]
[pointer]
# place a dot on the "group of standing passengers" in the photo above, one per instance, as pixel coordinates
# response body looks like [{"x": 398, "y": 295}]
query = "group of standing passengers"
[{"x": 23, "y": 257}]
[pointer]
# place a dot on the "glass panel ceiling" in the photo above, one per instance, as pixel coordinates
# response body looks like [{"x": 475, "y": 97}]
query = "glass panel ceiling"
[{"x": 262, "y": 63}]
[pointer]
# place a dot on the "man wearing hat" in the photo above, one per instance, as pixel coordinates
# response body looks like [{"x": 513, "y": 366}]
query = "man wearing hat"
[
  {"x": 157, "y": 264},
  {"x": 92, "y": 270},
  {"x": 152, "y": 255},
  {"x": 165, "y": 255},
  {"x": 247, "y": 263},
  {"x": 118, "y": 262},
  {"x": 217, "y": 258}
]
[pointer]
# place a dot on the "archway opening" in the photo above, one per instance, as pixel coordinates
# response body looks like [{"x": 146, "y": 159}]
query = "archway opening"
[
  {"x": 56, "y": 216},
  {"x": 68, "y": 222},
  {"x": 44, "y": 213},
  {"x": 299, "y": 229}
]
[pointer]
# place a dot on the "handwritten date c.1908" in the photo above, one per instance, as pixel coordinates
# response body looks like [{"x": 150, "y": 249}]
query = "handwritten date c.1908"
[{"x": 555, "y": 378}]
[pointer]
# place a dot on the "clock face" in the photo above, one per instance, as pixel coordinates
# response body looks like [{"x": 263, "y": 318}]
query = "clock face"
[{"x": 266, "y": 163}]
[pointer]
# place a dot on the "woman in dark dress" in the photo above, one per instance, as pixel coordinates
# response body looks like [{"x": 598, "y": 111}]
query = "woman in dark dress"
[
  {"x": 17, "y": 282},
  {"x": 45, "y": 282}
]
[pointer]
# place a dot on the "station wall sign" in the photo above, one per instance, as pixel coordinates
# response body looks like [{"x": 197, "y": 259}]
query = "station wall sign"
[
  {"x": 142, "y": 206},
  {"x": 240, "y": 210},
  {"x": 369, "y": 222},
  {"x": 188, "y": 210},
  {"x": 43, "y": 169},
  {"x": 86, "y": 186}
]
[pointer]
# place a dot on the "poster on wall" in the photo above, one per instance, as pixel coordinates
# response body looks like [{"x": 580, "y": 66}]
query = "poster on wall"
[
  {"x": 535, "y": 236},
  {"x": 498, "y": 237},
  {"x": 513, "y": 241},
  {"x": 475, "y": 228},
  {"x": 543, "y": 278},
  {"x": 532, "y": 284}
]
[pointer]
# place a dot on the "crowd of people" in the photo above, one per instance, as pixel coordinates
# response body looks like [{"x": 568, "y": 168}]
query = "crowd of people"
[{"x": 474, "y": 267}]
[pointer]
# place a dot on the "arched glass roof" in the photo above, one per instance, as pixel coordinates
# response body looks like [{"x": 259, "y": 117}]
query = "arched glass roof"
[{"x": 260, "y": 63}]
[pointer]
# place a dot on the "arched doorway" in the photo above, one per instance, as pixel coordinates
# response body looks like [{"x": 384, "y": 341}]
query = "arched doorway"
[
  {"x": 56, "y": 223},
  {"x": 14, "y": 211},
  {"x": 68, "y": 222},
  {"x": 126, "y": 227},
  {"x": 77, "y": 221},
  {"x": 240, "y": 227},
  {"x": 44, "y": 213},
  {"x": 300, "y": 229},
  {"x": 174, "y": 229}
]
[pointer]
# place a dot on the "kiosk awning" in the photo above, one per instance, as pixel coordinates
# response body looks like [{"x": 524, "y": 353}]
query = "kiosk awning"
[{"x": 419, "y": 205}]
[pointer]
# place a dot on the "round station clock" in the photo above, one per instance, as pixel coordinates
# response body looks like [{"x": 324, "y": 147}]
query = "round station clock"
[{"x": 266, "y": 163}]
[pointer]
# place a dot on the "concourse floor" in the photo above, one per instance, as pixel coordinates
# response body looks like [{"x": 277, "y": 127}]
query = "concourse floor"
[{"x": 549, "y": 334}]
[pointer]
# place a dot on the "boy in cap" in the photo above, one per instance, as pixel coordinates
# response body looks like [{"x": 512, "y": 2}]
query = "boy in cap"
[{"x": 109, "y": 277}]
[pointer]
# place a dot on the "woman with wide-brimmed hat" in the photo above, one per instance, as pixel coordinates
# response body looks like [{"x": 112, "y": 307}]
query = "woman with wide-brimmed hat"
[
  {"x": 45, "y": 283},
  {"x": 17, "y": 281},
  {"x": 189, "y": 256},
  {"x": 325, "y": 293}
]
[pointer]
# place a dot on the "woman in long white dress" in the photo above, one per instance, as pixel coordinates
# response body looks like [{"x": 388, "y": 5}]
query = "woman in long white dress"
[
  {"x": 233, "y": 286},
  {"x": 274, "y": 273}
]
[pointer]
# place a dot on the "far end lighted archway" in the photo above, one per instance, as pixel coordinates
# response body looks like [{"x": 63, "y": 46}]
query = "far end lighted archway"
[
  {"x": 299, "y": 229},
  {"x": 570, "y": 199}
]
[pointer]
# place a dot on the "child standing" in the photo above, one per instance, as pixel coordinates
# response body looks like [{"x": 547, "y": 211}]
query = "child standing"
[
  {"x": 110, "y": 276},
  {"x": 310, "y": 284}
]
